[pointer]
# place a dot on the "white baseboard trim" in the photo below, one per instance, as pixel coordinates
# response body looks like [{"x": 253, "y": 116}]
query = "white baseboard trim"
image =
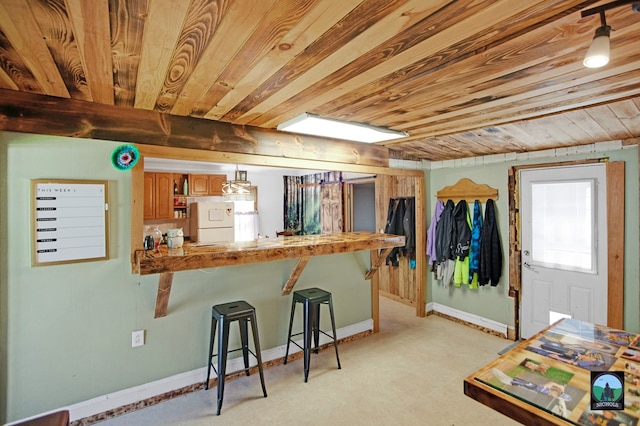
[
  {"x": 470, "y": 318},
  {"x": 128, "y": 396}
]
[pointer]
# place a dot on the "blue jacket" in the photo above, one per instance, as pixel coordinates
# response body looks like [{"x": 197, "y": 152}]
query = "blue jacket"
[{"x": 476, "y": 230}]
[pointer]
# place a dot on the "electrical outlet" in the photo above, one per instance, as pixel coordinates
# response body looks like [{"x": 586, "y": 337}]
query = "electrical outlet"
[{"x": 137, "y": 338}]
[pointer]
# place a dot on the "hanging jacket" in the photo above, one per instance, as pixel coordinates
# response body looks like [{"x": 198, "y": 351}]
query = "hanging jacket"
[
  {"x": 474, "y": 251},
  {"x": 395, "y": 226},
  {"x": 431, "y": 233},
  {"x": 461, "y": 267},
  {"x": 444, "y": 233},
  {"x": 461, "y": 231},
  {"x": 409, "y": 226},
  {"x": 490, "y": 248}
]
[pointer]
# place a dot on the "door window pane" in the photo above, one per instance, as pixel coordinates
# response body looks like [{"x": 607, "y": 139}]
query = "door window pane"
[{"x": 563, "y": 225}]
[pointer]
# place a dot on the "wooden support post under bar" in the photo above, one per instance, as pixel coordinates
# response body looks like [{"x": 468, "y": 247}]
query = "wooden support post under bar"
[
  {"x": 295, "y": 274},
  {"x": 375, "y": 266},
  {"x": 164, "y": 290}
]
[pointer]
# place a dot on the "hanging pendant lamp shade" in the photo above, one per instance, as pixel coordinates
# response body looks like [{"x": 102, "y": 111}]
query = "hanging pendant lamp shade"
[{"x": 598, "y": 54}]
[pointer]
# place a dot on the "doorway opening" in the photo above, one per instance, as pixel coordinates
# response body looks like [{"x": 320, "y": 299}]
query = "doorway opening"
[{"x": 360, "y": 205}]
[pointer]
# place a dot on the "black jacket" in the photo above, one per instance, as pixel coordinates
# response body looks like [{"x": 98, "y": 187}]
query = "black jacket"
[
  {"x": 401, "y": 221},
  {"x": 409, "y": 225},
  {"x": 461, "y": 231},
  {"x": 444, "y": 233},
  {"x": 395, "y": 215},
  {"x": 490, "y": 248}
]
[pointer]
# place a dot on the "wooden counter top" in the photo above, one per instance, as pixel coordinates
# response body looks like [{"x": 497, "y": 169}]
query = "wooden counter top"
[{"x": 197, "y": 256}]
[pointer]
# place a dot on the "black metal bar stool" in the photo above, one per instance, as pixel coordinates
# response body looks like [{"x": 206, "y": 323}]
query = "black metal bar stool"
[
  {"x": 311, "y": 299},
  {"x": 225, "y": 313}
]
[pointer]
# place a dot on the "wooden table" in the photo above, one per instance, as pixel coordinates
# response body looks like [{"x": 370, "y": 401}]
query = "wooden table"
[
  {"x": 302, "y": 247},
  {"x": 546, "y": 380}
]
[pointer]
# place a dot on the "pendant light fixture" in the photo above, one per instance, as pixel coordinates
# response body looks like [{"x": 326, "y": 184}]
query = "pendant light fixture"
[
  {"x": 598, "y": 54},
  {"x": 239, "y": 188}
]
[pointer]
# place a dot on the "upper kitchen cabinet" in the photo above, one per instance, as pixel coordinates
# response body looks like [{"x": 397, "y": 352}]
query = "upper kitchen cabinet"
[
  {"x": 198, "y": 185},
  {"x": 206, "y": 184},
  {"x": 158, "y": 195},
  {"x": 215, "y": 184}
]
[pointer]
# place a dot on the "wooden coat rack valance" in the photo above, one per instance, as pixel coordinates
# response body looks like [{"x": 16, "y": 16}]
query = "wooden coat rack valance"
[{"x": 468, "y": 190}]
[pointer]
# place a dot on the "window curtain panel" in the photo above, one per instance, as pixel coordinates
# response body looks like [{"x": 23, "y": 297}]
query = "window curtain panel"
[
  {"x": 293, "y": 203},
  {"x": 312, "y": 203},
  {"x": 303, "y": 201}
]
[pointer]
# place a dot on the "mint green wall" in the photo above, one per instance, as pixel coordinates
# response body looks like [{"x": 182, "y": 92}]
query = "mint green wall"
[
  {"x": 66, "y": 329},
  {"x": 493, "y": 302}
]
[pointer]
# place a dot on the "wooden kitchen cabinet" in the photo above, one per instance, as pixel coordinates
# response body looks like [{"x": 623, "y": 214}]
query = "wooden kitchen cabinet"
[
  {"x": 200, "y": 184},
  {"x": 149, "y": 196},
  {"x": 158, "y": 195},
  {"x": 215, "y": 184}
]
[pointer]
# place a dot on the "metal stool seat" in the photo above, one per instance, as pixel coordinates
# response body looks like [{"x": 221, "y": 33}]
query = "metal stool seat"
[
  {"x": 225, "y": 313},
  {"x": 311, "y": 299}
]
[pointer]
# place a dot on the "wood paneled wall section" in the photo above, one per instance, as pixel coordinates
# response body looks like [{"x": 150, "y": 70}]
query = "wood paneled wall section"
[{"x": 397, "y": 282}]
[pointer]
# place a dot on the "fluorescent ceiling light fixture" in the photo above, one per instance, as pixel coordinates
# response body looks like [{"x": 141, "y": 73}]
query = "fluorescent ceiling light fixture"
[{"x": 310, "y": 124}]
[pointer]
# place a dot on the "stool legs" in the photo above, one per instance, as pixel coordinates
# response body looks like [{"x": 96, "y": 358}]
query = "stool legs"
[
  {"x": 223, "y": 342},
  {"x": 244, "y": 337},
  {"x": 315, "y": 323},
  {"x": 311, "y": 329},
  {"x": 293, "y": 311},
  {"x": 214, "y": 323},
  {"x": 256, "y": 344},
  {"x": 308, "y": 324},
  {"x": 333, "y": 327},
  {"x": 243, "y": 316}
]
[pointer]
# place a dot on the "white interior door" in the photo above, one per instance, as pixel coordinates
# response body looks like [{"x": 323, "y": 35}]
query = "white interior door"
[{"x": 564, "y": 245}]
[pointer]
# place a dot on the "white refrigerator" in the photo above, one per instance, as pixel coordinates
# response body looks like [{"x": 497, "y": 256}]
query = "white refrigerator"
[{"x": 212, "y": 222}]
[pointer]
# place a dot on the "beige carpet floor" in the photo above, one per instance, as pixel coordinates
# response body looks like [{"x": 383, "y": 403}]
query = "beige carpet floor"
[{"x": 411, "y": 372}]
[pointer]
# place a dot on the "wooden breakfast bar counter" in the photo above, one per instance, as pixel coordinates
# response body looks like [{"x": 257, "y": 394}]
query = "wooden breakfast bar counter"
[{"x": 302, "y": 247}]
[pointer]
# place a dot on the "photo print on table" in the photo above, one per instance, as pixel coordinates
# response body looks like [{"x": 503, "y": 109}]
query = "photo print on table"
[
  {"x": 595, "y": 333},
  {"x": 631, "y": 385},
  {"x": 539, "y": 384},
  {"x": 631, "y": 354},
  {"x": 568, "y": 341},
  {"x": 606, "y": 417},
  {"x": 631, "y": 393},
  {"x": 572, "y": 353},
  {"x": 617, "y": 337}
]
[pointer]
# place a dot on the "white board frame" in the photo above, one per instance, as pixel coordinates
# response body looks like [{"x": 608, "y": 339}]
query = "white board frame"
[{"x": 70, "y": 200}]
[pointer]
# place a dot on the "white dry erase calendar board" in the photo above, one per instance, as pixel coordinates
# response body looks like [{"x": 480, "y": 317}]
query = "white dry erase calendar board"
[{"x": 69, "y": 221}]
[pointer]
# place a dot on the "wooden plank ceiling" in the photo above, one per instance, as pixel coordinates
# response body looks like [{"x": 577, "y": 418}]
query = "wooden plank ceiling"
[{"x": 463, "y": 78}]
